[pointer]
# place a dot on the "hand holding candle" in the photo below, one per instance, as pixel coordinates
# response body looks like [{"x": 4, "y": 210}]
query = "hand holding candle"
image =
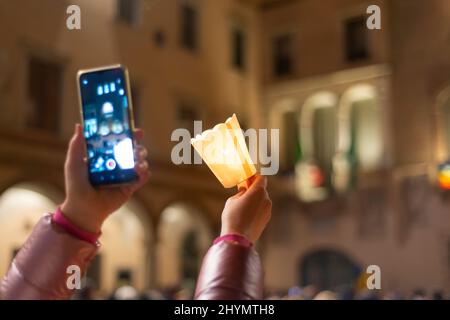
[{"x": 248, "y": 212}]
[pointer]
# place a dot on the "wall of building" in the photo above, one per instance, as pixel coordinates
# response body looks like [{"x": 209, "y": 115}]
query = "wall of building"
[
  {"x": 421, "y": 73},
  {"x": 396, "y": 217},
  {"x": 317, "y": 28}
]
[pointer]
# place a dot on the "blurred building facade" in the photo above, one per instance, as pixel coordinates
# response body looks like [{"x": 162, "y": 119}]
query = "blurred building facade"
[
  {"x": 363, "y": 119},
  {"x": 362, "y": 115}
]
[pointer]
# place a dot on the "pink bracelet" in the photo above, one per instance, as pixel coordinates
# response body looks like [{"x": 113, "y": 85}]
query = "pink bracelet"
[
  {"x": 68, "y": 226},
  {"x": 240, "y": 239}
]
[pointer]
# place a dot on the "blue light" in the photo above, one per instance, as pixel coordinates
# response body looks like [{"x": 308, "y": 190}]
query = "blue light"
[
  {"x": 99, "y": 90},
  {"x": 112, "y": 86},
  {"x": 106, "y": 88},
  {"x": 118, "y": 81},
  {"x": 121, "y": 92},
  {"x": 85, "y": 82}
]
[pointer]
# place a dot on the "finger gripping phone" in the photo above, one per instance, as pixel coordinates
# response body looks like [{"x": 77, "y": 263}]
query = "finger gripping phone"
[{"x": 108, "y": 124}]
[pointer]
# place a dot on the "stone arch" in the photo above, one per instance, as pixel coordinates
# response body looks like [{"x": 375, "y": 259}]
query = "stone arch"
[
  {"x": 180, "y": 220},
  {"x": 328, "y": 268},
  {"x": 323, "y": 99},
  {"x": 126, "y": 255},
  {"x": 21, "y": 206},
  {"x": 369, "y": 142}
]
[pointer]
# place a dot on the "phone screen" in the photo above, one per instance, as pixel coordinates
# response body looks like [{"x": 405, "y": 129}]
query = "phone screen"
[{"x": 107, "y": 126}]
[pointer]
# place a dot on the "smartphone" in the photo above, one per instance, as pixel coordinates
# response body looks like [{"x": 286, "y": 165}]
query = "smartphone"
[{"x": 108, "y": 124}]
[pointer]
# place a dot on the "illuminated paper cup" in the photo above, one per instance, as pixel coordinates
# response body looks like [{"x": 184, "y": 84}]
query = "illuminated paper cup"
[{"x": 224, "y": 150}]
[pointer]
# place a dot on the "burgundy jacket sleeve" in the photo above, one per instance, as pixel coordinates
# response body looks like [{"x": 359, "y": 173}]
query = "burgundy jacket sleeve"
[
  {"x": 230, "y": 272},
  {"x": 39, "y": 271}
]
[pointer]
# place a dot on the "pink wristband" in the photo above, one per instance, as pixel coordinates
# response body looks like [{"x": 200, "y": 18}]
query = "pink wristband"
[
  {"x": 69, "y": 227},
  {"x": 240, "y": 239}
]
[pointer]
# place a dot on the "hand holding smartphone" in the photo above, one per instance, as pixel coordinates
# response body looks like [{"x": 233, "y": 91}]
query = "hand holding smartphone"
[{"x": 108, "y": 124}]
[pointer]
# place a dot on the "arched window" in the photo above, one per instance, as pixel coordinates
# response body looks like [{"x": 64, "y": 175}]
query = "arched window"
[
  {"x": 328, "y": 269},
  {"x": 285, "y": 118},
  {"x": 361, "y": 126},
  {"x": 360, "y": 143},
  {"x": 125, "y": 251},
  {"x": 21, "y": 207},
  {"x": 444, "y": 124},
  {"x": 183, "y": 238},
  {"x": 324, "y": 134},
  {"x": 317, "y": 145}
]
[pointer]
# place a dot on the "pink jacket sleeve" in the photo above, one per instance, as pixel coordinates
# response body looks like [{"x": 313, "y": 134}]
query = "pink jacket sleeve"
[{"x": 39, "y": 271}]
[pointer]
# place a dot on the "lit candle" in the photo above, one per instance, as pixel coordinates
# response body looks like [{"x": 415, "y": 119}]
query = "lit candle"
[{"x": 224, "y": 150}]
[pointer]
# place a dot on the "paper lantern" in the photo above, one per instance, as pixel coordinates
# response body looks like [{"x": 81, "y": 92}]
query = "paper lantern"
[{"x": 224, "y": 150}]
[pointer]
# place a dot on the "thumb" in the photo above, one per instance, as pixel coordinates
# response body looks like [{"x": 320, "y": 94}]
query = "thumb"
[
  {"x": 77, "y": 150},
  {"x": 258, "y": 182}
]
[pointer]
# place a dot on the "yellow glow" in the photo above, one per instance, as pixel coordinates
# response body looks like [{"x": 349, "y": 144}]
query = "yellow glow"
[{"x": 224, "y": 150}]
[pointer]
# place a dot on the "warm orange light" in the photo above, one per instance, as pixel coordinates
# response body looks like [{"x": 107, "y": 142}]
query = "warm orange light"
[
  {"x": 224, "y": 150},
  {"x": 444, "y": 182},
  {"x": 444, "y": 177}
]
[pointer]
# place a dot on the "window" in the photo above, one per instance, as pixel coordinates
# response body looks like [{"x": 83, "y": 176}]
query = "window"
[
  {"x": 44, "y": 91},
  {"x": 366, "y": 146},
  {"x": 291, "y": 141},
  {"x": 361, "y": 131},
  {"x": 318, "y": 124},
  {"x": 127, "y": 11},
  {"x": 356, "y": 39},
  {"x": 328, "y": 269},
  {"x": 186, "y": 115},
  {"x": 443, "y": 137},
  {"x": 282, "y": 47},
  {"x": 238, "y": 49},
  {"x": 159, "y": 38},
  {"x": 324, "y": 129},
  {"x": 190, "y": 256},
  {"x": 188, "y": 32}
]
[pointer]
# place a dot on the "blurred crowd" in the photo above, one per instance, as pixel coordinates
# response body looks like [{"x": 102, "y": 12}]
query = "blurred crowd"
[
  {"x": 349, "y": 293},
  {"x": 126, "y": 291}
]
